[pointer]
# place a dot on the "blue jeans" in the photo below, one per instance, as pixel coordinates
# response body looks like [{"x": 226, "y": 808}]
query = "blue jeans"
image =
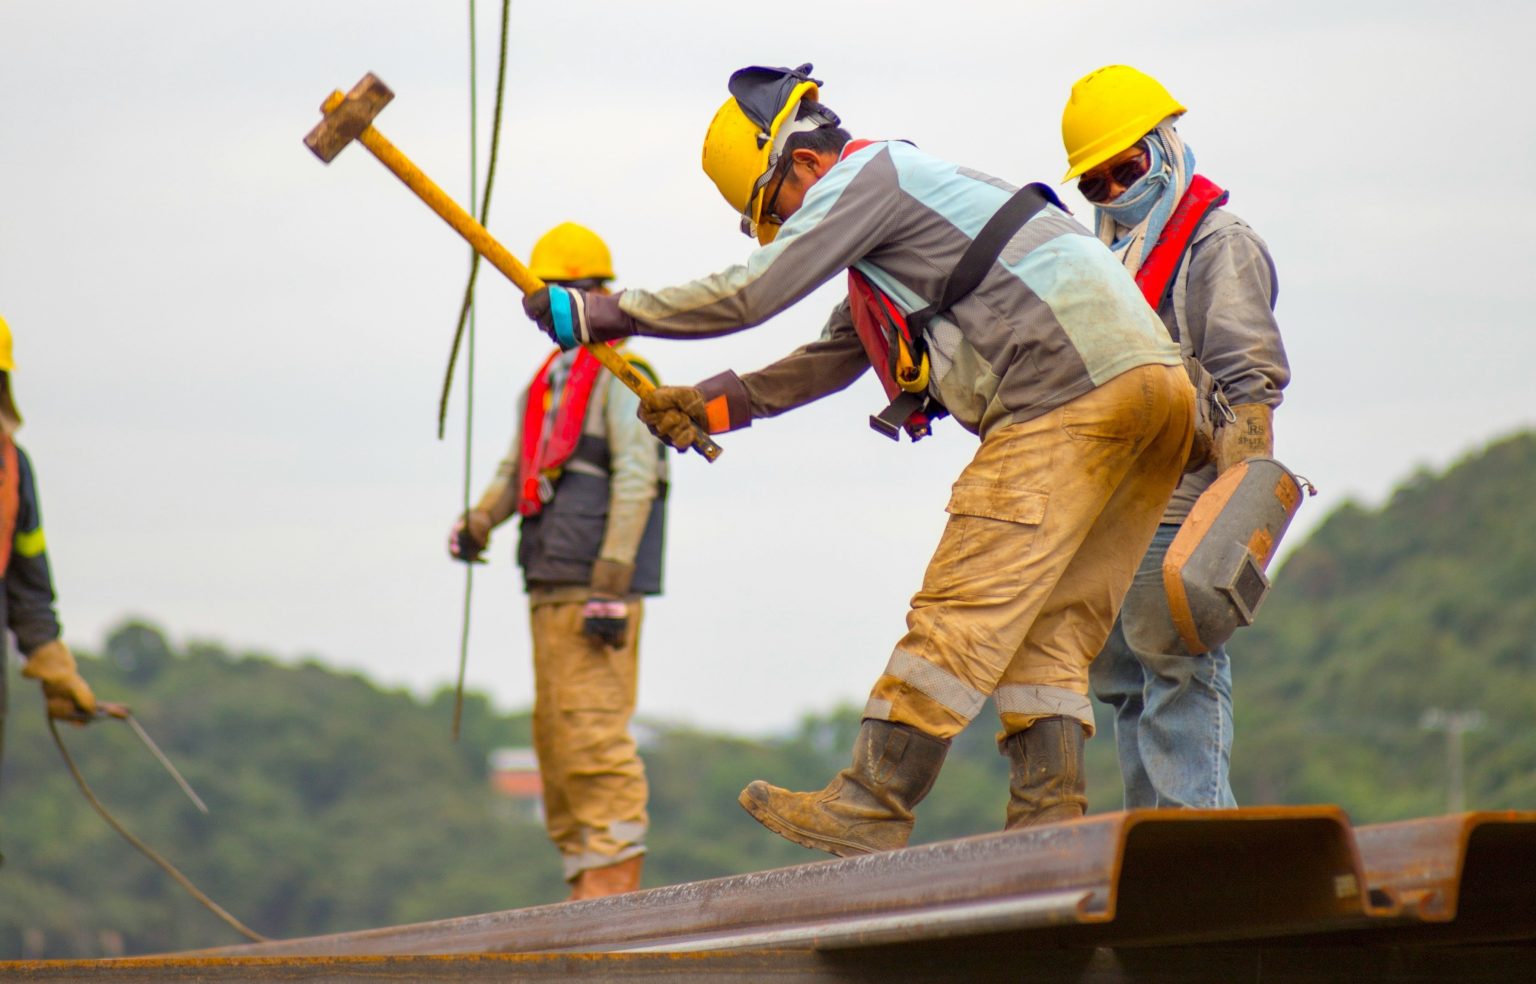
[{"x": 1173, "y": 711}]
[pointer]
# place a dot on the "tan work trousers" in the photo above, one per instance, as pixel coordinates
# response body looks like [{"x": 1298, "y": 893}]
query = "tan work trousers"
[
  {"x": 584, "y": 695},
  {"x": 1047, "y": 525}
]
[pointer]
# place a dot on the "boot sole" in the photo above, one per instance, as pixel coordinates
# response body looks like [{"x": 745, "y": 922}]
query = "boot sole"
[{"x": 790, "y": 832}]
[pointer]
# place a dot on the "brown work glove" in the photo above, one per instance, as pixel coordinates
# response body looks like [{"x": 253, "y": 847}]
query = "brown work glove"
[
  {"x": 675, "y": 414},
  {"x": 470, "y": 535},
  {"x": 69, "y": 696},
  {"x": 1251, "y": 435}
]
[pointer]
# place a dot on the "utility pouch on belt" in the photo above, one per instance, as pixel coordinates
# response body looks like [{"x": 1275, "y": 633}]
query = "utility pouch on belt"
[{"x": 1214, "y": 570}]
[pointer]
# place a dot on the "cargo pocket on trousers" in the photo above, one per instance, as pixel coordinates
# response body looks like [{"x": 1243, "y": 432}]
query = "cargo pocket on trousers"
[
  {"x": 990, "y": 527},
  {"x": 1023, "y": 506}
]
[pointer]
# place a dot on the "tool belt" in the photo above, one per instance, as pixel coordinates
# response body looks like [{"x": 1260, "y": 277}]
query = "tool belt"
[{"x": 897, "y": 344}]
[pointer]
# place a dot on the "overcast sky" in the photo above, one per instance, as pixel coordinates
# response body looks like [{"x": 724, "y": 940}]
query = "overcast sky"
[{"x": 229, "y": 356}]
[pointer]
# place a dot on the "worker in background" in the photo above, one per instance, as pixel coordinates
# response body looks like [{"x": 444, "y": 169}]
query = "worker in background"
[
  {"x": 27, "y": 602},
  {"x": 588, "y": 483},
  {"x": 1078, "y": 395},
  {"x": 1211, "y": 280}
]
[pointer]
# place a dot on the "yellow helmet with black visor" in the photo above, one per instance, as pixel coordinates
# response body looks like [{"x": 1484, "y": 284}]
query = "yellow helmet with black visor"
[{"x": 745, "y": 140}]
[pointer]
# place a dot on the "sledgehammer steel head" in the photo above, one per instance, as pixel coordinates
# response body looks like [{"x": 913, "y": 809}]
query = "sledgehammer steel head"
[{"x": 346, "y": 117}]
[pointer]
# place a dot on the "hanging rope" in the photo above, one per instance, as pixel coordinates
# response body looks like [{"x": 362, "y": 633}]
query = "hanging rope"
[
  {"x": 145, "y": 849},
  {"x": 467, "y": 315},
  {"x": 485, "y": 206}
]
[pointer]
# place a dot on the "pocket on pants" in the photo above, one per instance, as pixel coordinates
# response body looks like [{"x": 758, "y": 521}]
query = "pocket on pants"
[
  {"x": 1097, "y": 428},
  {"x": 1115, "y": 413},
  {"x": 1024, "y": 506}
]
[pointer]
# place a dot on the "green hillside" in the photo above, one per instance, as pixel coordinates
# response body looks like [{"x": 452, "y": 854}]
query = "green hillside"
[
  {"x": 1428, "y": 602},
  {"x": 337, "y": 805}
]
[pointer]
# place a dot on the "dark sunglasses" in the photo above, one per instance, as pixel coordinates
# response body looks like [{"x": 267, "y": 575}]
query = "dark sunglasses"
[{"x": 1094, "y": 185}]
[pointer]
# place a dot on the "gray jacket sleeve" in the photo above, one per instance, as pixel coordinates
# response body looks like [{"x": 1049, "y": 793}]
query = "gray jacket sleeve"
[
  {"x": 844, "y": 217},
  {"x": 634, "y": 474},
  {"x": 810, "y": 372},
  {"x": 28, "y": 581},
  {"x": 1229, "y": 304},
  {"x": 1224, "y": 307}
]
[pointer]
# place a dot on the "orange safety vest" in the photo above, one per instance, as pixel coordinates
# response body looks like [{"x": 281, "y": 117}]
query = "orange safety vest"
[{"x": 545, "y": 450}]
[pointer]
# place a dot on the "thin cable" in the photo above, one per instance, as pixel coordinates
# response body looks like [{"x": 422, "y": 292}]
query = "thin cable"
[
  {"x": 467, "y": 309},
  {"x": 485, "y": 212},
  {"x": 145, "y": 849},
  {"x": 469, "y": 370}
]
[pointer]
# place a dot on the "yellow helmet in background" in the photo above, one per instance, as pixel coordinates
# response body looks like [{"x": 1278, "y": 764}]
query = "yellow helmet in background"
[
  {"x": 746, "y": 138},
  {"x": 7, "y": 360},
  {"x": 10, "y": 417},
  {"x": 1109, "y": 110},
  {"x": 571, "y": 252}
]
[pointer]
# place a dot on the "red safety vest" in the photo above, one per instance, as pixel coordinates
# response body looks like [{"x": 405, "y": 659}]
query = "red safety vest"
[
  {"x": 1155, "y": 278},
  {"x": 542, "y": 455},
  {"x": 10, "y": 498},
  {"x": 877, "y": 321}
]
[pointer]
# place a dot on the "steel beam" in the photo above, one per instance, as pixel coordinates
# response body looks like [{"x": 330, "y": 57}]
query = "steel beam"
[
  {"x": 1469, "y": 874},
  {"x": 1139, "y": 878},
  {"x": 976, "y": 962}
]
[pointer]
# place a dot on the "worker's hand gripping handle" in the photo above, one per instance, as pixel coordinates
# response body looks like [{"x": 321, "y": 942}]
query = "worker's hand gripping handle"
[{"x": 350, "y": 116}]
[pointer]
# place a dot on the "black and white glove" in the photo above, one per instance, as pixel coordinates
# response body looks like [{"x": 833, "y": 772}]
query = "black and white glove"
[{"x": 573, "y": 317}]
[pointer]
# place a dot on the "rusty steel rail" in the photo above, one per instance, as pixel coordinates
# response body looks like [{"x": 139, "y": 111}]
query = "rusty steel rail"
[
  {"x": 1467, "y": 874},
  {"x": 1139, "y": 878},
  {"x": 931, "y": 964}
]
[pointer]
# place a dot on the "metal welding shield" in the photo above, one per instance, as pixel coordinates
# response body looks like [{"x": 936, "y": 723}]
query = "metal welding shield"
[{"x": 1214, "y": 572}]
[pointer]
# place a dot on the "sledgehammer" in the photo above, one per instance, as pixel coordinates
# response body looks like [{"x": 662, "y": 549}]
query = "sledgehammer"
[{"x": 350, "y": 117}]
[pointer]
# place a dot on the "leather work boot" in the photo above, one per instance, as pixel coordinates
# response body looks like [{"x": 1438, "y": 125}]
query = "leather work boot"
[
  {"x": 613, "y": 879},
  {"x": 1047, "y": 783},
  {"x": 866, "y": 807}
]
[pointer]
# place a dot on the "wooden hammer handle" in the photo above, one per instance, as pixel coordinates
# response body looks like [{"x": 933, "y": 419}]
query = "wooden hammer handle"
[{"x": 486, "y": 245}]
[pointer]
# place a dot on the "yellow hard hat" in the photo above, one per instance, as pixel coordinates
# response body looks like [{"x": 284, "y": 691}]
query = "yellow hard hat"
[
  {"x": 10, "y": 417},
  {"x": 1108, "y": 111},
  {"x": 571, "y": 252},
  {"x": 747, "y": 135}
]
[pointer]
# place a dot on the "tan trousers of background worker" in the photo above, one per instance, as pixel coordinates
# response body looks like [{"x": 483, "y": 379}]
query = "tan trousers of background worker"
[
  {"x": 1047, "y": 525},
  {"x": 594, "y": 783}
]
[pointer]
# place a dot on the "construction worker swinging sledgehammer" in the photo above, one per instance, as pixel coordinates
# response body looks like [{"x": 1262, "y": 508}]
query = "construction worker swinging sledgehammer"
[
  {"x": 972, "y": 299},
  {"x": 589, "y": 485}
]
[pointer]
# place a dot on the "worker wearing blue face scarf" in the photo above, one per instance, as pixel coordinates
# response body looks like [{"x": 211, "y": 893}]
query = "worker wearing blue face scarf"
[{"x": 1172, "y": 707}]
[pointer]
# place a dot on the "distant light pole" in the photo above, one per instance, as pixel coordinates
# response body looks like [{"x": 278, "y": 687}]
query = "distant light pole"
[{"x": 1455, "y": 724}]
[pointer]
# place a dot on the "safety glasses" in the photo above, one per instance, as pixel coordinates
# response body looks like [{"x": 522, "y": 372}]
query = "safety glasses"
[
  {"x": 770, "y": 213},
  {"x": 1095, "y": 185}
]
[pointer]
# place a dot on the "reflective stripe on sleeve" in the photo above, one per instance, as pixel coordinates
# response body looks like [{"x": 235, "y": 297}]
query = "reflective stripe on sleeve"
[{"x": 31, "y": 543}]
